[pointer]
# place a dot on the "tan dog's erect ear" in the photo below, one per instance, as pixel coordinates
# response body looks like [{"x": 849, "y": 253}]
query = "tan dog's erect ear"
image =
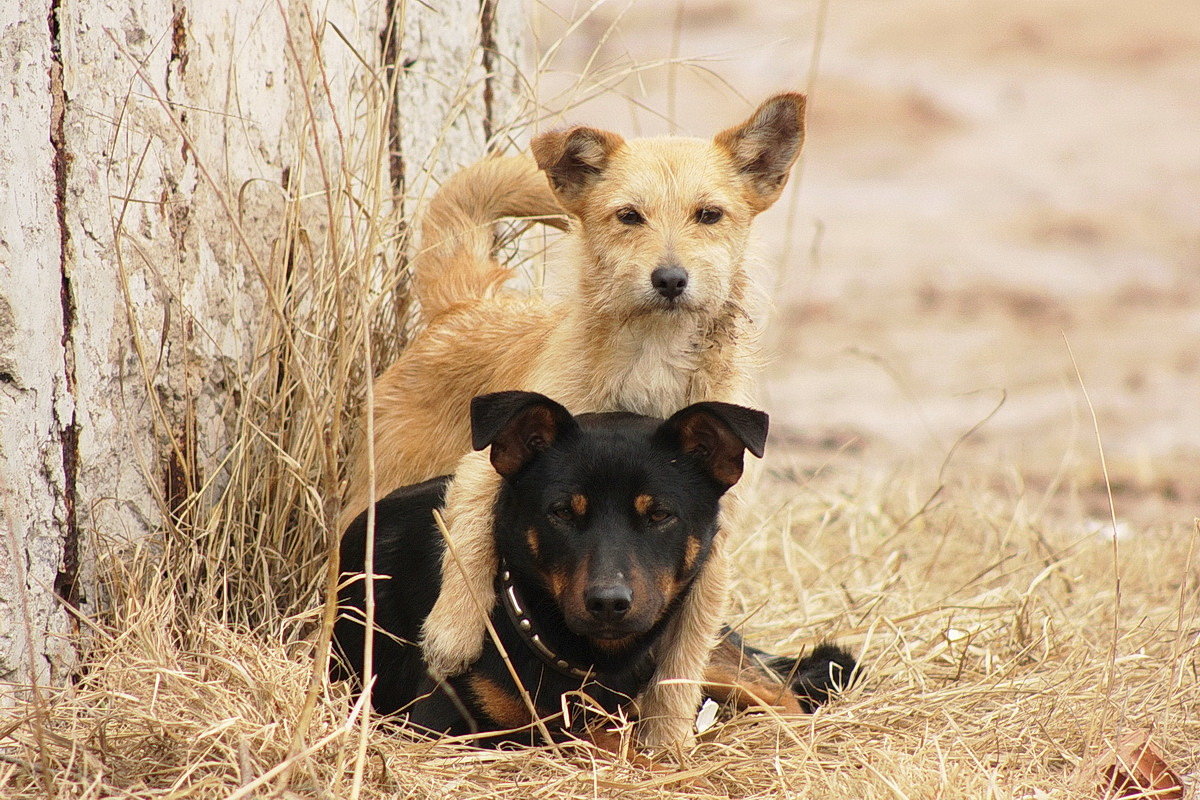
[
  {"x": 574, "y": 159},
  {"x": 765, "y": 147},
  {"x": 719, "y": 434}
]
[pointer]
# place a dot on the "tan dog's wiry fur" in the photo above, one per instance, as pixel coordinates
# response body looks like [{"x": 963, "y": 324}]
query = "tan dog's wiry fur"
[{"x": 659, "y": 230}]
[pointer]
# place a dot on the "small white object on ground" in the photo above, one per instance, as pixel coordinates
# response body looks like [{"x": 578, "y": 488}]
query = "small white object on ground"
[{"x": 707, "y": 715}]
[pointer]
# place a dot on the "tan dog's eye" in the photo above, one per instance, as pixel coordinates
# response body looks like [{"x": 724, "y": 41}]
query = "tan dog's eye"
[
  {"x": 658, "y": 516},
  {"x": 562, "y": 514},
  {"x": 709, "y": 216},
  {"x": 630, "y": 216}
]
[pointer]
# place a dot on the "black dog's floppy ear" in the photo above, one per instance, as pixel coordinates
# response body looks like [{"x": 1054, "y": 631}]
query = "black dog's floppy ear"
[
  {"x": 517, "y": 425},
  {"x": 719, "y": 434}
]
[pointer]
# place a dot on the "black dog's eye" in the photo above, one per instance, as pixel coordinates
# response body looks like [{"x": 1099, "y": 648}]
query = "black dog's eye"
[
  {"x": 658, "y": 516},
  {"x": 562, "y": 514},
  {"x": 709, "y": 216},
  {"x": 630, "y": 216}
]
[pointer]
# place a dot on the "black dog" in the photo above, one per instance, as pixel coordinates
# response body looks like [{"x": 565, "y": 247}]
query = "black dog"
[{"x": 603, "y": 522}]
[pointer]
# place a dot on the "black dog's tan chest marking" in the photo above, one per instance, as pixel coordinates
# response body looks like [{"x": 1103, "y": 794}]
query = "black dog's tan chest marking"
[{"x": 503, "y": 707}]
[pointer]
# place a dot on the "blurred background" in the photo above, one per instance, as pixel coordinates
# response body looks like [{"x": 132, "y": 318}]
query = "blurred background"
[{"x": 991, "y": 193}]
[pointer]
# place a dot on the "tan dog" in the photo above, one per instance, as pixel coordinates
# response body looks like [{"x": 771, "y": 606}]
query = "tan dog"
[{"x": 659, "y": 229}]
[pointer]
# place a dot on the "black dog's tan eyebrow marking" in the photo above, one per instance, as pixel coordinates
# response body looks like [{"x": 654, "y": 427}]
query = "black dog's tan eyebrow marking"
[
  {"x": 579, "y": 504},
  {"x": 531, "y": 539},
  {"x": 642, "y": 503}
]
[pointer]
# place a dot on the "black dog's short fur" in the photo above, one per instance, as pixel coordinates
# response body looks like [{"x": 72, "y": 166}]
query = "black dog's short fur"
[{"x": 602, "y": 523}]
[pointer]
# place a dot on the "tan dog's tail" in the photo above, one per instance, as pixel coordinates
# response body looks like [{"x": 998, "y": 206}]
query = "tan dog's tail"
[{"x": 456, "y": 262}]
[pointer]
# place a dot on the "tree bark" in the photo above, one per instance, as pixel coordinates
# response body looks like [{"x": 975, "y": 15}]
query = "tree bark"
[{"x": 143, "y": 144}]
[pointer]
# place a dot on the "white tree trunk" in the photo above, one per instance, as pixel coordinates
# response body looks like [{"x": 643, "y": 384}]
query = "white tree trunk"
[
  {"x": 125, "y": 128},
  {"x": 34, "y": 397}
]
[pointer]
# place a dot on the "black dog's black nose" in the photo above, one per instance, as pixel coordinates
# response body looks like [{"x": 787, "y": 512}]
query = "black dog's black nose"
[
  {"x": 609, "y": 603},
  {"x": 669, "y": 281}
]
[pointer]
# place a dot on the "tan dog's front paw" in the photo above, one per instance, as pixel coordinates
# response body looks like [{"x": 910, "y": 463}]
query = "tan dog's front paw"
[
  {"x": 657, "y": 733},
  {"x": 450, "y": 643}
]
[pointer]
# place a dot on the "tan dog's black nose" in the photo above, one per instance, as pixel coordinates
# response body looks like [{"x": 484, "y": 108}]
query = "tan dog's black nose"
[
  {"x": 669, "y": 281},
  {"x": 609, "y": 602}
]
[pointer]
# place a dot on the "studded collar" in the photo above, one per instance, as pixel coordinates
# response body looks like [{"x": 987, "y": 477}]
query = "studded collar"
[{"x": 524, "y": 625}]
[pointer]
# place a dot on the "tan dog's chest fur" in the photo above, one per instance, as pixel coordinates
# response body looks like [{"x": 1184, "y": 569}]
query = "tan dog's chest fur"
[
  {"x": 422, "y": 400},
  {"x": 627, "y": 338}
]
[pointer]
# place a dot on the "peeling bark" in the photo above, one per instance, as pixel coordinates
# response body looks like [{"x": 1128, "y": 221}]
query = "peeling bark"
[
  {"x": 439, "y": 94},
  {"x": 66, "y": 585},
  {"x": 127, "y": 305},
  {"x": 35, "y": 460},
  {"x": 389, "y": 52},
  {"x": 487, "y": 46}
]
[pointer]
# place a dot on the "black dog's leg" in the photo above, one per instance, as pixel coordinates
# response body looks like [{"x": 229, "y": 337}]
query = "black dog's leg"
[
  {"x": 812, "y": 678},
  {"x": 824, "y": 671}
]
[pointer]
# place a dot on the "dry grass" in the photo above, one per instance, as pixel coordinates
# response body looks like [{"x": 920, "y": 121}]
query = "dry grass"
[
  {"x": 1004, "y": 643},
  {"x": 1000, "y": 654}
]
